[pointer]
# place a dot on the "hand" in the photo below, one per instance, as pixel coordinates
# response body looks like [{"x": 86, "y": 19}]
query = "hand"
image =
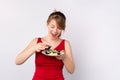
[
  {"x": 40, "y": 46},
  {"x": 62, "y": 57}
]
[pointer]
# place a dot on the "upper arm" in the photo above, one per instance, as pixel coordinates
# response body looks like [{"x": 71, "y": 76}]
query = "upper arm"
[
  {"x": 26, "y": 53},
  {"x": 32, "y": 43},
  {"x": 68, "y": 49}
]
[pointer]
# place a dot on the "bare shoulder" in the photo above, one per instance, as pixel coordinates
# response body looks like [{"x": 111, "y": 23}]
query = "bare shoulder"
[
  {"x": 67, "y": 43},
  {"x": 33, "y": 42},
  {"x": 68, "y": 49},
  {"x": 34, "y": 39}
]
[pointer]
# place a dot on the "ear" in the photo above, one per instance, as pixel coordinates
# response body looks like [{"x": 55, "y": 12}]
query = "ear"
[{"x": 46, "y": 24}]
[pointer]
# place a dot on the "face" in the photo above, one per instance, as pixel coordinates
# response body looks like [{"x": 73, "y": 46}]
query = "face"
[{"x": 53, "y": 29}]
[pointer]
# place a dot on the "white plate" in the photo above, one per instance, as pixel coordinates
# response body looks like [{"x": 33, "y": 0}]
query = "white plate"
[{"x": 52, "y": 54}]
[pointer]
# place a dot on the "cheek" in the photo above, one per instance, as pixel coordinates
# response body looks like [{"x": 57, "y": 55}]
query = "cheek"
[
  {"x": 50, "y": 30},
  {"x": 59, "y": 32}
]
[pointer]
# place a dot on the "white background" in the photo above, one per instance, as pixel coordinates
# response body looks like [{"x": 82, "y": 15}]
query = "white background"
[{"x": 93, "y": 28}]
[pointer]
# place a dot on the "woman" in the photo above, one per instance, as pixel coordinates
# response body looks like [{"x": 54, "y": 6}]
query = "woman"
[{"x": 50, "y": 67}]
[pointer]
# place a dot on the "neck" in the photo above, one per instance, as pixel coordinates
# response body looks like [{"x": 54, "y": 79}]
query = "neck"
[{"x": 50, "y": 38}]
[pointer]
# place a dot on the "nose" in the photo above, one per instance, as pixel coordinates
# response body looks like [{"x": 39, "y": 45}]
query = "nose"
[{"x": 55, "y": 30}]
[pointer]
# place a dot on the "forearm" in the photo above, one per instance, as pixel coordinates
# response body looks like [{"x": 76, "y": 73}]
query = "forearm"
[
  {"x": 24, "y": 55},
  {"x": 69, "y": 65}
]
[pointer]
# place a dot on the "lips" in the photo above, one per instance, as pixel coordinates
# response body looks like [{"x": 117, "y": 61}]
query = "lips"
[{"x": 54, "y": 35}]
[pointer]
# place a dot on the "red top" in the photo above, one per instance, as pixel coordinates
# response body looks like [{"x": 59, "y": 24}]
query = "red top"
[{"x": 48, "y": 67}]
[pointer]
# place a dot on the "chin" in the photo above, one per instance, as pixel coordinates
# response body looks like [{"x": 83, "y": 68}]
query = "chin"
[{"x": 54, "y": 36}]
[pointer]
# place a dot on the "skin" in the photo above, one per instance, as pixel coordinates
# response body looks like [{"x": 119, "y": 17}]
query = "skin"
[{"x": 53, "y": 40}]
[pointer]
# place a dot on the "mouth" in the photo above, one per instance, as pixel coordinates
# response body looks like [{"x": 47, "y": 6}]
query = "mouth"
[{"x": 54, "y": 35}]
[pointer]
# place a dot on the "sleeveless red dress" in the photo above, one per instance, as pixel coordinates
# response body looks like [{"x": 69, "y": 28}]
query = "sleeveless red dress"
[{"x": 47, "y": 67}]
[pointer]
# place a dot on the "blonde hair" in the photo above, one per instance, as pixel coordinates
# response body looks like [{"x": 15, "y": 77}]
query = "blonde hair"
[{"x": 59, "y": 17}]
